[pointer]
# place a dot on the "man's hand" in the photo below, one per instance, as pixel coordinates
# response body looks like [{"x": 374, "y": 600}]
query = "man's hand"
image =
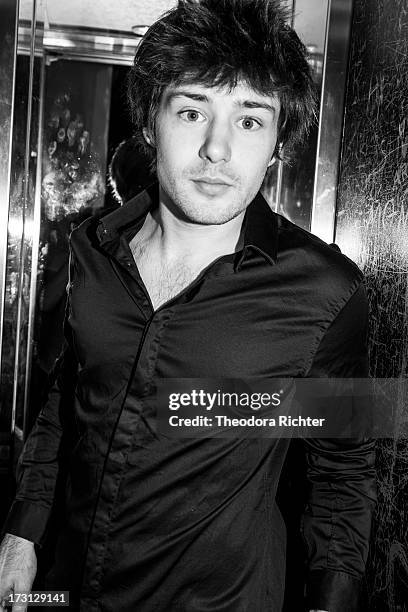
[{"x": 18, "y": 567}]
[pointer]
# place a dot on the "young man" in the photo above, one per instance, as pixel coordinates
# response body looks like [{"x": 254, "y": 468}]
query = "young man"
[{"x": 197, "y": 278}]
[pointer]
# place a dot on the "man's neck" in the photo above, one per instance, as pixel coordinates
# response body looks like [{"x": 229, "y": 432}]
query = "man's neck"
[{"x": 176, "y": 238}]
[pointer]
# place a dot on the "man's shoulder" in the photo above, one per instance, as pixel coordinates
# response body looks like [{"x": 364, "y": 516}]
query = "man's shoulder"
[
  {"x": 323, "y": 267},
  {"x": 108, "y": 223}
]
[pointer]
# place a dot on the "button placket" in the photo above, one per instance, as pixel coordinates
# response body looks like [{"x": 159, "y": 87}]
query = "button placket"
[{"x": 115, "y": 466}]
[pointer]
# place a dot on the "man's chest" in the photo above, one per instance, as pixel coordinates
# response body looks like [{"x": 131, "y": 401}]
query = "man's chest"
[
  {"x": 163, "y": 280},
  {"x": 222, "y": 325}
]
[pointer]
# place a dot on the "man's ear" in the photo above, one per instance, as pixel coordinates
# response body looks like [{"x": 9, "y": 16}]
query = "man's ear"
[
  {"x": 148, "y": 137},
  {"x": 276, "y": 154}
]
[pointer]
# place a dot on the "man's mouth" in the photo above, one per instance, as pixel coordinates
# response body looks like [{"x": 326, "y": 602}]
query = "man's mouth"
[
  {"x": 210, "y": 185},
  {"x": 213, "y": 180}
]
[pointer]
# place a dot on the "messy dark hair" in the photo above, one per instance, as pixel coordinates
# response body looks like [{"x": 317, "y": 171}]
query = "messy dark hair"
[{"x": 217, "y": 43}]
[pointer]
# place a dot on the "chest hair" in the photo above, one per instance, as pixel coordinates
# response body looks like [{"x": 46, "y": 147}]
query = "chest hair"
[{"x": 163, "y": 280}]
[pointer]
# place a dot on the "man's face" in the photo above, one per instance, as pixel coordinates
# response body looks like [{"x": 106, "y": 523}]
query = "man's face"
[{"x": 213, "y": 148}]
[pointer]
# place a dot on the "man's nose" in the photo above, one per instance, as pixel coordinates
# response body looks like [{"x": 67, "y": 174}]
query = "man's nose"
[{"x": 217, "y": 144}]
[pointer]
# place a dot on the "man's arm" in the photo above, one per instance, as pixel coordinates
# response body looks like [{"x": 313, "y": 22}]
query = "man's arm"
[
  {"x": 38, "y": 465},
  {"x": 336, "y": 522},
  {"x": 37, "y": 473}
]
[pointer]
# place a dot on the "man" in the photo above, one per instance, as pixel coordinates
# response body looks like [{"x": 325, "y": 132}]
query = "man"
[{"x": 197, "y": 278}]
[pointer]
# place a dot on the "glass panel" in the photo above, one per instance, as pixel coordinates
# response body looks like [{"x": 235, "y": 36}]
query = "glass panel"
[
  {"x": 8, "y": 14},
  {"x": 8, "y": 21},
  {"x": 76, "y": 114},
  {"x": 74, "y": 165},
  {"x": 289, "y": 189},
  {"x": 310, "y": 17},
  {"x": 20, "y": 216},
  {"x": 331, "y": 118},
  {"x": 24, "y": 154}
]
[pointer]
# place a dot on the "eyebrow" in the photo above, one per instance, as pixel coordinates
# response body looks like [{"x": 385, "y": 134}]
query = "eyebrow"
[
  {"x": 203, "y": 98},
  {"x": 180, "y": 93},
  {"x": 256, "y": 104}
]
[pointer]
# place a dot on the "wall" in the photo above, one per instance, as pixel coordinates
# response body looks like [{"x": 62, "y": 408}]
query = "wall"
[{"x": 372, "y": 228}]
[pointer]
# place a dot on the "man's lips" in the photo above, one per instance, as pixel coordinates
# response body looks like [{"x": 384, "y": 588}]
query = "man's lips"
[
  {"x": 210, "y": 180},
  {"x": 211, "y": 187}
]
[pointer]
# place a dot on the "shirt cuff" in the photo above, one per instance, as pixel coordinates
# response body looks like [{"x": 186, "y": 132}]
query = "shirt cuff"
[
  {"x": 27, "y": 520},
  {"x": 333, "y": 591}
]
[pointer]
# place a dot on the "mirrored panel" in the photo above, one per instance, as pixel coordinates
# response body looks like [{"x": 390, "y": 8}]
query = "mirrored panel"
[
  {"x": 8, "y": 44},
  {"x": 289, "y": 186},
  {"x": 23, "y": 154}
]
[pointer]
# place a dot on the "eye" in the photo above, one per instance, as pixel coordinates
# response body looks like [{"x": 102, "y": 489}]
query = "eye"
[
  {"x": 192, "y": 116},
  {"x": 250, "y": 124}
]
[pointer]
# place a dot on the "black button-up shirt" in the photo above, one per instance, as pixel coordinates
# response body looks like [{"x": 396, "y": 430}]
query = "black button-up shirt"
[{"x": 159, "y": 524}]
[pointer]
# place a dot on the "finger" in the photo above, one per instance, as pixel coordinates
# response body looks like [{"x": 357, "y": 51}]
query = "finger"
[
  {"x": 21, "y": 590},
  {"x": 4, "y": 599},
  {"x": 19, "y": 606}
]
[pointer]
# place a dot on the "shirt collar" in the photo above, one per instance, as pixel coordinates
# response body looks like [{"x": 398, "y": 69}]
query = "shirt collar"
[
  {"x": 260, "y": 225},
  {"x": 131, "y": 213},
  {"x": 261, "y": 229}
]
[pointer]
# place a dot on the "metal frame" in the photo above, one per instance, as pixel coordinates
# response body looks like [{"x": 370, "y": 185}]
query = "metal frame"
[
  {"x": 331, "y": 121},
  {"x": 80, "y": 43},
  {"x": 36, "y": 225},
  {"x": 8, "y": 36},
  {"x": 8, "y": 54},
  {"x": 25, "y": 214}
]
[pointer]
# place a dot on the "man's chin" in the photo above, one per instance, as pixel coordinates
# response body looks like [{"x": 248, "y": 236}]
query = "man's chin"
[
  {"x": 213, "y": 216},
  {"x": 194, "y": 206}
]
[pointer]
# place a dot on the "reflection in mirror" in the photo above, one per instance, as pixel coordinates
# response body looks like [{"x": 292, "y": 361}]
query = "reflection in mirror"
[
  {"x": 104, "y": 15},
  {"x": 24, "y": 154},
  {"x": 8, "y": 13},
  {"x": 74, "y": 163},
  {"x": 289, "y": 188},
  {"x": 331, "y": 119},
  {"x": 8, "y": 33}
]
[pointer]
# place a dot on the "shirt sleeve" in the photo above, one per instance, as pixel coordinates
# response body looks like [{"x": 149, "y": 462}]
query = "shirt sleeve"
[
  {"x": 41, "y": 465},
  {"x": 341, "y": 482}
]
